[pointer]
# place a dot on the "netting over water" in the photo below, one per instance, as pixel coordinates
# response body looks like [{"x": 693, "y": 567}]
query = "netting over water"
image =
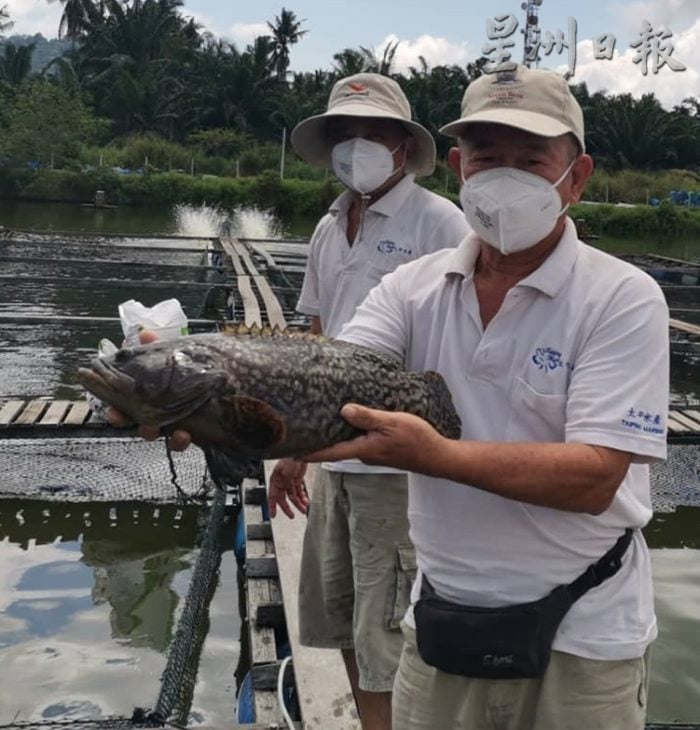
[
  {"x": 131, "y": 469},
  {"x": 94, "y": 469},
  {"x": 676, "y": 481},
  {"x": 128, "y": 469}
]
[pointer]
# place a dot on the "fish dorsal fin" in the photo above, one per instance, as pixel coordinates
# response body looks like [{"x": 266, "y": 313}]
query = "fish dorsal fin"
[
  {"x": 239, "y": 328},
  {"x": 255, "y": 423}
]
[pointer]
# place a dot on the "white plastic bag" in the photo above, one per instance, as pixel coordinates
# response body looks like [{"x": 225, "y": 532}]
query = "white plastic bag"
[{"x": 166, "y": 319}]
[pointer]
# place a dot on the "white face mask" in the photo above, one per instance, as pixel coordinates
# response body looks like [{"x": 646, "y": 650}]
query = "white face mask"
[
  {"x": 363, "y": 166},
  {"x": 511, "y": 209}
]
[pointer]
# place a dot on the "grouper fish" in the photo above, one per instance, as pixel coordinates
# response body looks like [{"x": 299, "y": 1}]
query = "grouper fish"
[{"x": 247, "y": 397}]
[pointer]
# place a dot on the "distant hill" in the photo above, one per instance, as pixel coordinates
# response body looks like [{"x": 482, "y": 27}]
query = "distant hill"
[{"x": 45, "y": 50}]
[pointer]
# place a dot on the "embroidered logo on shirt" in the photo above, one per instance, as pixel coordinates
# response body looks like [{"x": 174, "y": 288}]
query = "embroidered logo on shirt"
[
  {"x": 638, "y": 420},
  {"x": 389, "y": 247},
  {"x": 547, "y": 359}
]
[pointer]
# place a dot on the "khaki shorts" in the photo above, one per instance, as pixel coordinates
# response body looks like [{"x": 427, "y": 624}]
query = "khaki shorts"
[
  {"x": 574, "y": 694},
  {"x": 357, "y": 567}
]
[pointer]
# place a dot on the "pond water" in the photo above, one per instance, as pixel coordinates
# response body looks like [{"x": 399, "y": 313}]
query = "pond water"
[{"x": 86, "y": 611}]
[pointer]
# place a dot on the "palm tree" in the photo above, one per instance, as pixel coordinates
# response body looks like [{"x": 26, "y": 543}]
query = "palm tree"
[
  {"x": 78, "y": 16},
  {"x": 15, "y": 63},
  {"x": 286, "y": 31},
  {"x": 349, "y": 61},
  {"x": 5, "y": 22}
]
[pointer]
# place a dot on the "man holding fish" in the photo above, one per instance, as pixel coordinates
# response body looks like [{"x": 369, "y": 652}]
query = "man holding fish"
[{"x": 533, "y": 606}]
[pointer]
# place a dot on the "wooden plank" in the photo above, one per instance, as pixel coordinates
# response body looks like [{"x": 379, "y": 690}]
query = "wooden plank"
[
  {"x": 32, "y": 412},
  {"x": 679, "y": 324},
  {"x": 267, "y": 709},
  {"x": 323, "y": 687},
  {"x": 251, "y": 308},
  {"x": 10, "y": 410},
  {"x": 231, "y": 252},
  {"x": 693, "y": 414},
  {"x": 686, "y": 421},
  {"x": 55, "y": 413},
  {"x": 78, "y": 414},
  {"x": 674, "y": 425},
  {"x": 258, "y": 591},
  {"x": 275, "y": 316}
]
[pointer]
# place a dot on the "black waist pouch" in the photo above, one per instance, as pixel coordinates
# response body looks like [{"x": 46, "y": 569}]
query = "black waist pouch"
[{"x": 509, "y": 642}]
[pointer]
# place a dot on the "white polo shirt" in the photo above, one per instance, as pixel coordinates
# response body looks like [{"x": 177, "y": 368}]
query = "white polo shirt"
[
  {"x": 578, "y": 352},
  {"x": 404, "y": 224}
]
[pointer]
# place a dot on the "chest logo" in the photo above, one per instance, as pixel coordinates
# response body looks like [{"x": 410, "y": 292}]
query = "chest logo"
[
  {"x": 547, "y": 359},
  {"x": 389, "y": 247}
]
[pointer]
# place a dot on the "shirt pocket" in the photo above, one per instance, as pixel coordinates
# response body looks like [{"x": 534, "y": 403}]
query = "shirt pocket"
[{"x": 536, "y": 416}]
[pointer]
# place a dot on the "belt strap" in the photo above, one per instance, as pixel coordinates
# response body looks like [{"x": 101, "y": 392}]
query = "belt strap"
[{"x": 605, "y": 568}]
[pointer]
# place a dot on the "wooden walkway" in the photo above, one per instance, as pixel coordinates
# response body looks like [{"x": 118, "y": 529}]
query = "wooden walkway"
[
  {"x": 248, "y": 281},
  {"x": 42, "y": 417},
  {"x": 273, "y": 552}
]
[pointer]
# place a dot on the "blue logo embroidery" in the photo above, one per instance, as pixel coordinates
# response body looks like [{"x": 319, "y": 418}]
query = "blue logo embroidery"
[
  {"x": 638, "y": 420},
  {"x": 547, "y": 359},
  {"x": 389, "y": 247}
]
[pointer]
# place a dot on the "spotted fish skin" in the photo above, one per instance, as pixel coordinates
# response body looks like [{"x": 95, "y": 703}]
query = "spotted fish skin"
[{"x": 261, "y": 396}]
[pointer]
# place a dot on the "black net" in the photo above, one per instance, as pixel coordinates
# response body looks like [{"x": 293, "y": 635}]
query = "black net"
[
  {"x": 94, "y": 469},
  {"x": 676, "y": 482}
]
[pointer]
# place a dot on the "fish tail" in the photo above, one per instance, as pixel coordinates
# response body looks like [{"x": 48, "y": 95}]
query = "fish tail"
[{"x": 440, "y": 410}]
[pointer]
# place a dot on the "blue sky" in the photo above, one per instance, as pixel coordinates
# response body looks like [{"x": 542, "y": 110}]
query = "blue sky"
[{"x": 448, "y": 31}]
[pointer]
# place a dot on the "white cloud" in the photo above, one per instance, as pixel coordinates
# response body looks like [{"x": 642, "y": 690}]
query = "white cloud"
[
  {"x": 674, "y": 14},
  {"x": 35, "y": 16},
  {"x": 436, "y": 51},
  {"x": 622, "y": 75},
  {"x": 243, "y": 34}
]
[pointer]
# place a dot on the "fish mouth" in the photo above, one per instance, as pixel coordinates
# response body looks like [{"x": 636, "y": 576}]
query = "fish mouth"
[{"x": 106, "y": 382}]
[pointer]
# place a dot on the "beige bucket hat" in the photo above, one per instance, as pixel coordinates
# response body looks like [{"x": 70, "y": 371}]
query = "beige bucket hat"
[
  {"x": 535, "y": 100},
  {"x": 364, "y": 95}
]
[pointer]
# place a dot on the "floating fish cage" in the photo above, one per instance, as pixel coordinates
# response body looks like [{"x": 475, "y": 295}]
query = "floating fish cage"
[{"x": 64, "y": 475}]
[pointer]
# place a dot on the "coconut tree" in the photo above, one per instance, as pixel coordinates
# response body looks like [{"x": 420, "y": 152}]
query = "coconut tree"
[
  {"x": 5, "y": 22},
  {"x": 286, "y": 31}
]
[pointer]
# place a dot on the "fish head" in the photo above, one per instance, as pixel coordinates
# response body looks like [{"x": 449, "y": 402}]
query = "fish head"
[{"x": 156, "y": 384}]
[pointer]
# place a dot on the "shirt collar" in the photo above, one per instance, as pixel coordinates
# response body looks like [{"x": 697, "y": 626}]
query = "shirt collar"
[
  {"x": 548, "y": 278},
  {"x": 387, "y": 205}
]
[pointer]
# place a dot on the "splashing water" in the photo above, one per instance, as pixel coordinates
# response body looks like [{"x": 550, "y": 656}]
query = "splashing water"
[
  {"x": 251, "y": 222},
  {"x": 198, "y": 220},
  {"x": 207, "y": 221}
]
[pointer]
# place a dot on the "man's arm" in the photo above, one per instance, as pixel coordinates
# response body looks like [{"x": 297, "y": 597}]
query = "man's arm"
[
  {"x": 316, "y": 327},
  {"x": 566, "y": 476}
]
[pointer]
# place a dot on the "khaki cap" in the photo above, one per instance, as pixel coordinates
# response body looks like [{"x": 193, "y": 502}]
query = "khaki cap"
[
  {"x": 535, "y": 100},
  {"x": 367, "y": 95}
]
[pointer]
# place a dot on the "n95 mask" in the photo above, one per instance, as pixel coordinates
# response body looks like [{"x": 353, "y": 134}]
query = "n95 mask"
[
  {"x": 511, "y": 209},
  {"x": 361, "y": 165}
]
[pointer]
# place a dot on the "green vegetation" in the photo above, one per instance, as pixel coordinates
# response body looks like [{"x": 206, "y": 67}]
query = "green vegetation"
[
  {"x": 139, "y": 86},
  {"x": 666, "y": 220}
]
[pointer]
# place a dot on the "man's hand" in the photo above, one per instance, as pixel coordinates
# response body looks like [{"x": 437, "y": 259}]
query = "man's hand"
[
  {"x": 287, "y": 482},
  {"x": 179, "y": 440},
  {"x": 399, "y": 440}
]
